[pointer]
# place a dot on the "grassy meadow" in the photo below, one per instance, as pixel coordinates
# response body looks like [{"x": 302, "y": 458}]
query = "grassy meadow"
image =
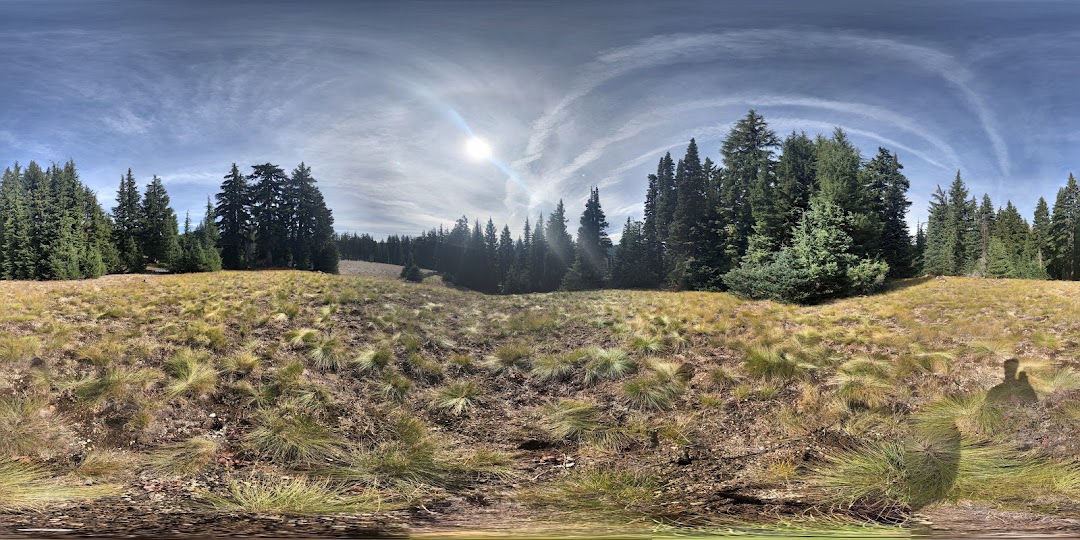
[{"x": 292, "y": 393}]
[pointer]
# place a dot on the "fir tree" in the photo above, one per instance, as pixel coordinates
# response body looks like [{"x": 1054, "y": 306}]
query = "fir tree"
[
  {"x": 158, "y": 232},
  {"x": 233, "y": 212},
  {"x": 1065, "y": 232},
  {"x": 270, "y": 215},
  {"x": 962, "y": 229},
  {"x": 1040, "y": 237},
  {"x": 590, "y": 262},
  {"x": 939, "y": 254},
  {"x": 889, "y": 205},
  {"x": 796, "y": 181},
  {"x": 127, "y": 225},
  {"x": 747, "y": 154},
  {"x": 631, "y": 267},
  {"x": 560, "y": 252}
]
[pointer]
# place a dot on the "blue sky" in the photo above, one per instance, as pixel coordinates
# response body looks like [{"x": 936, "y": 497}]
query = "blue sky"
[{"x": 380, "y": 97}]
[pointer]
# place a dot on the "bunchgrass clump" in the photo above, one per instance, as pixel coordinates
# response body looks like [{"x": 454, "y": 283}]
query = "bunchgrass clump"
[
  {"x": 424, "y": 368},
  {"x": 104, "y": 465},
  {"x": 650, "y": 393},
  {"x": 119, "y": 384},
  {"x": 184, "y": 457},
  {"x": 373, "y": 360},
  {"x": 582, "y": 422},
  {"x": 325, "y": 353},
  {"x": 554, "y": 367},
  {"x": 509, "y": 358},
  {"x": 301, "y": 337},
  {"x": 771, "y": 364},
  {"x": 191, "y": 373},
  {"x": 394, "y": 386},
  {"x": 15, "y": 348},
  {"x": 606, "y": 495},
  {"x": 25, "y": 431},
  {"x": 458, "y": 397},
  {"x": 29, "y": 487},
  {"x": 607, "y": 364},
  {"x": 293, "y": 438},
  {"x": 298, "y": 495}
]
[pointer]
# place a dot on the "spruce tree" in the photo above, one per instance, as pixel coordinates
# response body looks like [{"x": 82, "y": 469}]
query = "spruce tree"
[
  {"x": 593, "y": 243},
  {"x": 127, "y": 225},
  {"x": 796, "y": 181},
  {"x": 1065, "y": 232},
  {"x": 233, "y": 212},
  {"x": 270, "y": 215},
  {"x": 1040, "y": 236},
  {"x": 158, "y": 231},
  {"x": 889, "y": 205},
  {"x": 560, "y": 252},
  {"x": 939, "y": 254},
  {"x": 631, "y": 266},
  {"x": 747, "y": 154}
]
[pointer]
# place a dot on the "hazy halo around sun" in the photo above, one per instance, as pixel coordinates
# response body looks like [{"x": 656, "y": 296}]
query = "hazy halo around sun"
[{"x": 477, "y": 149}]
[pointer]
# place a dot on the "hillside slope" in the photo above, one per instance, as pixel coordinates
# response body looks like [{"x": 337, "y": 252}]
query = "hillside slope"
[{"x": 167, "y": 403}]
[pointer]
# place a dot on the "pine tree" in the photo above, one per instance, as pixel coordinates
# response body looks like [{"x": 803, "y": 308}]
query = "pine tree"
[
  {"x": 1040, "y": 237},
  {"x": 796, "y": 181},
  {"x": 1065, "y": 232},
  {"x": 270, "y": 215},
  {"x": 747, "y": 154},
  {"x": 560, "y": 252},
  {"x": 939, "y": 254},
  {"x": 127, "y": 225},
  {"x": 631, "y": 266},
  {"x": 158, "y": 231},
  {"x": 985, "y": 219},
  {"x": 505, "y": 256},
  {"x": 962, "y": 228},
  {"x": 233, "y": 212},
  {"x": 889, "y": 205},
  {"x": 593, "y": 243}
]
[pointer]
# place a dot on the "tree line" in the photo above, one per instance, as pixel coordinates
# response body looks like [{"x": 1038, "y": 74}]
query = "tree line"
[
  {"x": 52, "y": 226},
  {"x": 964, "y": 236},
  {"x": 795, "y": 219}
]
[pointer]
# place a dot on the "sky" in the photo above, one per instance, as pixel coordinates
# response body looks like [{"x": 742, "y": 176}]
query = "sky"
[{"x": 380, "y": 98}]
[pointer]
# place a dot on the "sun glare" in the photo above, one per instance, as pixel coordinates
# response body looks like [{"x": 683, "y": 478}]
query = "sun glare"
[{"x": 477, "y": 148}]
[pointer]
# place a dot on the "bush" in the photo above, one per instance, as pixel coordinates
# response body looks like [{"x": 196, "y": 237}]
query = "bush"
[{"x": 817, "y": 265}]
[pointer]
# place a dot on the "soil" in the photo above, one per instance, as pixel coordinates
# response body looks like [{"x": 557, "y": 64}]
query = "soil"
[{"x": 724, "y": 471}]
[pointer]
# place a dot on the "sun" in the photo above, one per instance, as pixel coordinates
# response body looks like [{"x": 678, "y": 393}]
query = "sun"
[{"x": 477, "y": 149}]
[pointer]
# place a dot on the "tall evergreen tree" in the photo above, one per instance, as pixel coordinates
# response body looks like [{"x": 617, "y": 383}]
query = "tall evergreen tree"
[
  {"x": 233, "y": 213},
  {"x": 985, "y": 218},
  {"x": 939, "y": 255},
  {"x": 962, "y": 228},
  {"x": 127, "y": 225},
  {"x": 796, "y": 181},
  {"x": 1040, "y": 236},
  {"x": 1065, "y": 232},
  {"x": 747, "y": 154},
  {"x": 158, "y": 232},
  {"x": 593, "y": 243},
  {"x": 560, "y": 252},
  {"x": 270, "y": 214},
  {"x": 889, "y": 206},
  {"x": 631, "y": 267}
]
